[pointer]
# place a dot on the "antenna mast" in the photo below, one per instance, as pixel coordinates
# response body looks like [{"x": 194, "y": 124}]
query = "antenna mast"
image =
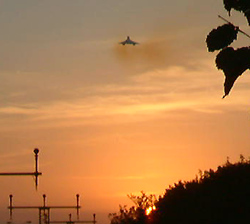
[
  {"x": 44, "y": 210},
  {"x": 35, "y": 173}
]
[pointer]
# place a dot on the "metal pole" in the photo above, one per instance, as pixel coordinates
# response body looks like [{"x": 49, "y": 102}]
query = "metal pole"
[
  {"x": 10, "y": 196},
  {"x": 44, "y": 210},
  {"x": 77, "y": 206},
  {"x": 48, "y": 215},
  {"x": 36, "y": 151},
  {"x": 35, "y": 174},
  {"x": 44, "y": 200},
  {"x": 70, "y": 220}
]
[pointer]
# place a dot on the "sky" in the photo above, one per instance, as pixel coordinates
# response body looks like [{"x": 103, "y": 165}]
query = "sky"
[{"x": 111, "y": 120}]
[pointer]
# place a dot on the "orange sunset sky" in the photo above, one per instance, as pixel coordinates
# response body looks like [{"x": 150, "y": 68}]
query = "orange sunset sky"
[{"x": 110, "y": 120}]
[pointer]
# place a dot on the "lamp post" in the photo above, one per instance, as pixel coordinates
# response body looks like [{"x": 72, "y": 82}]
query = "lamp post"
[
  {"x": 44, "y": 209},
  {"x": 36, "y": 173}
]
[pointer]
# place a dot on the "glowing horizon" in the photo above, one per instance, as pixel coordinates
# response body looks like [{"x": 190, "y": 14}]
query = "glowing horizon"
[{"x": 110, "y": 120}]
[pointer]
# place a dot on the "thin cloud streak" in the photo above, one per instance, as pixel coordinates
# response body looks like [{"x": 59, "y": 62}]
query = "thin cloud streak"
[
  {"x": 14, "y": 154},
  {"x": 154, "y": 92},
  {"x": 116, "y": 177}
]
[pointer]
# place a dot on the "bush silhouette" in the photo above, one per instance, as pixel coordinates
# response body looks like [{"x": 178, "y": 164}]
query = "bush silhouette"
[
  {"x": 135, "y": 214},
  {"x": 221, "y": 196}
]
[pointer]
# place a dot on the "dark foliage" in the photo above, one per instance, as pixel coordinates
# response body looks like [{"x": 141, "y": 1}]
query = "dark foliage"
[
  {"x": 239, "y": 5},
  {"x": 216, "y": 197},
  {"x": 221, "y": 37},
  {"x": 127, "y": 216},
  {"x": 233, "y": 63},
  {"x": 135, "y": 214}
]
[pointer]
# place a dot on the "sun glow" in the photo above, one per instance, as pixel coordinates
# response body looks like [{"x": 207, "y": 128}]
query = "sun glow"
[{"x": 150, "y": 209}]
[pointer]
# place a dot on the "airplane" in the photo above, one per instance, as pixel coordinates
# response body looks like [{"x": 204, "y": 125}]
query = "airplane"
[{"x": 128, "y": 41}]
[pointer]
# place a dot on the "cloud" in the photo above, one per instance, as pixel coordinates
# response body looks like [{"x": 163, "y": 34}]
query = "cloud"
[
  {"x": 157, "y": 92},
  {"x": 129, "y": 177},
  {"x": 17, "y": 110},
  {"x": 17, "y": 159},
  {"x": 109, "y": 177},
  {"x": 15, "y": 154}
]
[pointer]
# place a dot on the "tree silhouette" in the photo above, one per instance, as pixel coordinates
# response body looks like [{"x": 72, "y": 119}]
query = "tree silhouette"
[
  {"x": 135, "y": 214},
  {"x": 221, "y": 196},
  {"x": 232, "y": 62}
]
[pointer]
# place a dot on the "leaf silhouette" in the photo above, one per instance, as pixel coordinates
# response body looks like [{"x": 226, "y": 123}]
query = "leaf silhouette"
[
  {"x": 221, "y": 37},
  {"x": 239, "y": 5},
  {"x": 233, "y": 63}
]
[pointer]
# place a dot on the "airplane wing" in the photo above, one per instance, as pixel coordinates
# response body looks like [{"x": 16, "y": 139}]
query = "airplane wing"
[
  {"x": 123, "y": 42},
  {"x": 128, "y": 41},
  {"x": 134, "y": 43}
]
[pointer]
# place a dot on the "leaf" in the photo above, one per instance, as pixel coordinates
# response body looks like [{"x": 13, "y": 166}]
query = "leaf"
[
  {"x": 221, "y": 37},
  {"x": 247, "y": 15},
  {"x": 231, "y": 4},
  {"x": 233, "y": 63},
  {"x": 242, "y": 6}
]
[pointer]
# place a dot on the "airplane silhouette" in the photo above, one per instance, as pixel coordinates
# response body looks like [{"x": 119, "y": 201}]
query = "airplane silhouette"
[{"x": 128, "y": 41}]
